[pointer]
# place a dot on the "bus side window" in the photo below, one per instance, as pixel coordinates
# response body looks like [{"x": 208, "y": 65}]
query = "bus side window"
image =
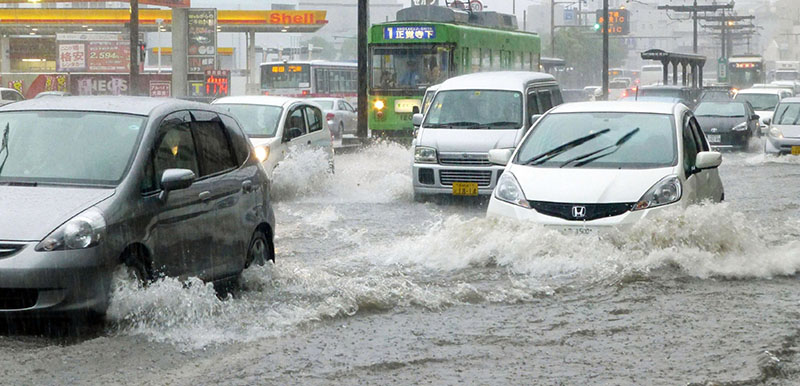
[
  {"x": 476, "y": 60},
  {"x": 486, "y": 59},
  {"x": 465, "y": 60}
]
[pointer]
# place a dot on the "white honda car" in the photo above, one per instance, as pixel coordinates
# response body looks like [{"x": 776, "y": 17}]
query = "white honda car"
[{"x": 606, "y": 164}]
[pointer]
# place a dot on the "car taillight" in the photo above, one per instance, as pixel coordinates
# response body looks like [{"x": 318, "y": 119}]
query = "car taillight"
[
  {"x": 305, "y": 92},
  {"x": 329, "y": 116},
  {"x": 266, "y": 92}
]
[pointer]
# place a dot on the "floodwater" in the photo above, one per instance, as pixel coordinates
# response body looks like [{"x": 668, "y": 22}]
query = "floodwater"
[{"x": 371, "y": 287}]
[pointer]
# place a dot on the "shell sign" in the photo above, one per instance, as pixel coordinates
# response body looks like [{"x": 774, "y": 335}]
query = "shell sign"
[{"x": 297, "y": 17}]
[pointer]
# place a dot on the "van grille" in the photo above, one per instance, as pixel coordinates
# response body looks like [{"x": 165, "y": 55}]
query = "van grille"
[
  {"x": 482, "y": 177},
  {"x": 470, "y": 160}
]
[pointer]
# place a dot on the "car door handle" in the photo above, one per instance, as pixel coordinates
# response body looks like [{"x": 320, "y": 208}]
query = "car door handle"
[
  {"x": 247, "y": 186},
  {"x": 205, "y": 196}
]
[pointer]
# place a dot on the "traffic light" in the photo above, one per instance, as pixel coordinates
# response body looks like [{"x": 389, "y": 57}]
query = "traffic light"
[
  {"x": 597, "y": 26},
  {"x": 142, "y": 51}
]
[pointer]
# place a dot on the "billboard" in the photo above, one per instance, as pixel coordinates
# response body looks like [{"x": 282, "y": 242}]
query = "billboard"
[
  {"x": 90, "y": 52},
  {"x": 202, "y": 48}
]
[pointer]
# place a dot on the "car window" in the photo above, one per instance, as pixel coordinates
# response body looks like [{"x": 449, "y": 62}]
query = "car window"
[
  {"x": 295, "y": 124},
  {"x": 313, "y": 119},
  {"x": 341, "y": 106},
  {"x": 348, "y": 107},
  {"x": 239, "y": 141},
  {"x": 689, "y": 148},
  {"x": 214, "y": 151},
  {"x": 700, "y": 138},
  {"x": 533, "y": 104},
  {"x": 787, "y": 114},
  {"x": 545, "y": 100},
  {"x": 174, "y": 149},
  {"x": 557, "y": 98},
  {"x": 8, "y": 96}
]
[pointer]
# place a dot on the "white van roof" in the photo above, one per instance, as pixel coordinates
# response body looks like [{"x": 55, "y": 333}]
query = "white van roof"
[{"x": 499, "y": 80}]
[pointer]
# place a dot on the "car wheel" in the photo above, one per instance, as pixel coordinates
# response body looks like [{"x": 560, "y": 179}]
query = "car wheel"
[
  {"x": 135, "y": 262},
  {"x": 260, "y": 250}
]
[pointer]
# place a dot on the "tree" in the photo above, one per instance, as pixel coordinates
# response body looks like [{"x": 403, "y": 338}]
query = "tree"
[
  {"x": 582, "y": 49},
  {"x": 349, "y": 50}
]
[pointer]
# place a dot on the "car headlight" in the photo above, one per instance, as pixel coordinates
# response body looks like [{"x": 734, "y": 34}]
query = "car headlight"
[
  {"x": 775, "y": 132},
  {"x": 82, "y": 231},
  {"x": 424, "y": 154},
  {"x": 508, "y": 190},
  {"x": 664, "y": 192},
  {"x": 740, "y": 127},
  {"x": 262, "y": 153}
]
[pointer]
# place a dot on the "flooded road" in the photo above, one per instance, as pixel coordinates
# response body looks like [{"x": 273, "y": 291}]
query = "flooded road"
[{"x": 370, "y": 287}]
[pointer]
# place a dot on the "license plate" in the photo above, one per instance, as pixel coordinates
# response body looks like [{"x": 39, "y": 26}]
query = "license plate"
[
  {"x": 716, "y": 138},
  {"x": 795, "y": 150},
  {"x": 578, "y": 230},
  {"x": 465, "y": 188}
]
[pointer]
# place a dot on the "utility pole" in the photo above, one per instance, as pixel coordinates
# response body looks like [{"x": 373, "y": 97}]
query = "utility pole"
[
  {"x": 605, "y": 50},
  {"x": 363, "y": 25},
  {"x": 728, "y": 25},
  {"x": 553, "y": 28},
  {"x": 694, "y": 9},
  {"x": 133, "y": 88}
]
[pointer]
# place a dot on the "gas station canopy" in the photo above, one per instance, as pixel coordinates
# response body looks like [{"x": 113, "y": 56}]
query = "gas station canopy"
[{"x": 18, "y": 21}]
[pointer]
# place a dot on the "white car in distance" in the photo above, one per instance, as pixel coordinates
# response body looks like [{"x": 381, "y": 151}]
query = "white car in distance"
[
  {"x": 764, "y": 101},
  {"x": 595, "y": 165},
  {"x": 276, "y": 125},
  {"x": 340, "y": 114}
]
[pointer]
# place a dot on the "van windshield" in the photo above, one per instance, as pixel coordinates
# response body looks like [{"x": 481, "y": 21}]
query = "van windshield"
[{"x": 475, "y": 109}]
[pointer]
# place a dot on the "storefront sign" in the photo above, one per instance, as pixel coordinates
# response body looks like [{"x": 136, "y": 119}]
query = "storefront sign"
[
  {"x": 197, "y": 89},
  {"x": 107, "y": 56},
  {"x": 217, "y": 82},
  {"x": 202, "y": 40},
  {"x": 99, "y": 84},
  {"x": 160, "y": 89},
  {"x": 16, "y": 85},
  {"x": 71, "y": 57},
  {"x": 295, "y": 17}
]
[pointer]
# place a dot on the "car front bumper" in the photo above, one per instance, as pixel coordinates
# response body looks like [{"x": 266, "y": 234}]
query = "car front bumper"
[
  {"x": 34, "y": 282},
  {"x": 443, "y": 177},
  {"x": 627, "y": 220},
  {"x": 780, "y": 145}
]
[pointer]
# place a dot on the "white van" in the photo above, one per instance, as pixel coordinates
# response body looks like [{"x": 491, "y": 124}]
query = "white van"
[{"x": 470, "y": 115}]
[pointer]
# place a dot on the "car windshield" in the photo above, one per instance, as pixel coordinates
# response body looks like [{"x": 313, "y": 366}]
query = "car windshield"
[
  {"x": 760, "y": 102},
  {"x": 475, "y": 109},
  {"x": 325, "y": 104},
  {"x": 258, "y": 121},
  {"x": 787, "y": 114},
  {"x": 715, "y": 109},
  {"x": 601, "y": 140},
  {"x": 67, "y": 146}
]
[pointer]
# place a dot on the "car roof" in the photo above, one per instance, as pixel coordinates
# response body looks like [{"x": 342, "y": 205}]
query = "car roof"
[
  {"x": 791, "y": 100},
  {"x": 499, "y": 80},
  {"x": 776, "y": 90},
  {"x": 258, "y": 100},
  {"x": 664, "y": 87},
  {"x": 111, "y": 104},
  {"x": 616, "y": 107},
  {"x": 8, "y": 89}
]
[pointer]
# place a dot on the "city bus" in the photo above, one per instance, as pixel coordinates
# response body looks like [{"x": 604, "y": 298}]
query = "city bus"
[
  {"x": 407, "y": 57},
  {"x": 745, "y": 71},
  {"x": 314, "y": 78}
]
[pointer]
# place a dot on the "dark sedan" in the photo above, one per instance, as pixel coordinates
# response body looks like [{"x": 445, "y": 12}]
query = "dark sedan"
[
  {"x": 90, "y": 185},
  {"x": 728, "y": 124}
]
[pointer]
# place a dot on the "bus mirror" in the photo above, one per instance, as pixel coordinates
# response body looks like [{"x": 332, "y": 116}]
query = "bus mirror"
[{"x": 416, "y": 120}]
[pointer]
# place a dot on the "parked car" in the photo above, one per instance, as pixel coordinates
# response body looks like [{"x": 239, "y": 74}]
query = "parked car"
[
  {"x": 52, "y": 93},
  {"x": 340, "y": 115},
  {"x": 783, "y": 134},
  {"x": 728, "y": 124},
  {"x": 9, "y": 95},
  {"x": 764, "y": 101},
  {"x": 275, "y": 125},
  {"x": 586, "y": 166},
  {"x": 91, "y": 184},
  {"x": 690, "y": 96},
  {"x": 470, "y": 115}
]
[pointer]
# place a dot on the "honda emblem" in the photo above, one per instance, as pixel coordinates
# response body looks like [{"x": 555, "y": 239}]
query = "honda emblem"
[{"x": 578, "y": 211}]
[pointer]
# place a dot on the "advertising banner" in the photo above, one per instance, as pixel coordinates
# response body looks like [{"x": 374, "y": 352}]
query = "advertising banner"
[
  {"x": 160, "y": 89},
  {"x": 202, "y": 40},
  {"x": 71, "y": 57},
  {"x": 108, "y": 56}
]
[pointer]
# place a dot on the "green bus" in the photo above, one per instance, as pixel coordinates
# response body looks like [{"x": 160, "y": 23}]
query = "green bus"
[{"x": 408, "y": 57}]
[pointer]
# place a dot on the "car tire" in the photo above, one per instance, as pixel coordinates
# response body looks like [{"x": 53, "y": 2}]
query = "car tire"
[
  {"x": 260, "y": 250},
  {"x": 136, "y": 263}
]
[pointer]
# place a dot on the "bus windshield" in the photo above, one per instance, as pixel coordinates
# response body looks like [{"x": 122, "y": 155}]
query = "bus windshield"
[
  {"x": 285, "y": 76},
  {"x": 409, "y": 67}
]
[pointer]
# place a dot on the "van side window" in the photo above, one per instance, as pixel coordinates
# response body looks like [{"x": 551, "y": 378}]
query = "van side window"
[
  {"x": 546, "y": 100},
  {"x": 557, "y": 98},
  {"x": 533, "y": 104}
]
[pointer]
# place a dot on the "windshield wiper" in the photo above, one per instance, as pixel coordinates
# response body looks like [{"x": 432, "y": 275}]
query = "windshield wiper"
[
  {"x": 541, "y": 158},
  {"x": 4, "y": 146},
  {"x": 615, "y": 146},
  {"x": 503, "y": 123}
]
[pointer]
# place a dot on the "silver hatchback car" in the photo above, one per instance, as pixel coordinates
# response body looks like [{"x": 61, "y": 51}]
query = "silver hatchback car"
[{"x": 90, "y": 184}]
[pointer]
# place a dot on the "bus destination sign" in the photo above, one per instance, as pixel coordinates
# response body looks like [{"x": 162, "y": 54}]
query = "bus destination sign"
[{"x": 409, "y": 33}]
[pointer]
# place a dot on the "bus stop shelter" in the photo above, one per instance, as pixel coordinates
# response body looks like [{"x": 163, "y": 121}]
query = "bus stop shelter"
[{"x": 690, "y": 64}]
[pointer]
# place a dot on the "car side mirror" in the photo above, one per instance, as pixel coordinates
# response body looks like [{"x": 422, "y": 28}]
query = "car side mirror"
[
  {"x": 500, "y": 156},
  {"x": 175, "y": 179},
  {"x": 708, "y": 160},
  {"x": 767, "y": 121},
  {"x": 755, "y": 117},
  {"x": 415, "y": 110},
  {"x": 534, "y": 118},
  {"x": 416, "y": 120}
]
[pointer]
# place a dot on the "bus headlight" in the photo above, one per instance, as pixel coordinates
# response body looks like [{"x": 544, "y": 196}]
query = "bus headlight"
[{"x": 379, "y": 105}]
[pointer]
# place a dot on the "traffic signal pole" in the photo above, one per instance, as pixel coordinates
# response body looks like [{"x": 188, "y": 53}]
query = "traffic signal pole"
[
  {"x": 363, "y": 24},
  {"x": 605, "y": 50}
]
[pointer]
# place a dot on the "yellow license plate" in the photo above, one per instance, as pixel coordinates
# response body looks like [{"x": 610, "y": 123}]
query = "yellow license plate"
[
  {"x": 465, "y": 188},
  {"x": 795, "y": 150}
]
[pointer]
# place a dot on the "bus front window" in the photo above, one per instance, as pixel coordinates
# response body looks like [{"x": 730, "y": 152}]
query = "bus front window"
[{"x": 409, "y": 67}]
